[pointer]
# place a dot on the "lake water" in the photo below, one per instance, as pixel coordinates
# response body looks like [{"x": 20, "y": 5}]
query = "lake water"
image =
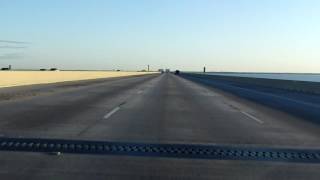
[{"x": 284, "y": 76}]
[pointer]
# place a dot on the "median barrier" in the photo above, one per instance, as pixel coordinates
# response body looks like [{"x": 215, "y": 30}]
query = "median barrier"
[{"x": 277, "y": 94}]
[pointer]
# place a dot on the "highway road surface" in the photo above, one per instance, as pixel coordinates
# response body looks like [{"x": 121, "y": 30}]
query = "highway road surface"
[{"x": 159, "y": 108}]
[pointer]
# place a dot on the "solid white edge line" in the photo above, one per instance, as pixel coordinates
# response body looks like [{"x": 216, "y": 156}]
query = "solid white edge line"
[
  {"x": 252, "y": 117},
  {"x": 111, "y": 112}
]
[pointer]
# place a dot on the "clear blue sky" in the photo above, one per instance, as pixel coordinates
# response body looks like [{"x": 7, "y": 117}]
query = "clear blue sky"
[{"x": 223, "y": 35}]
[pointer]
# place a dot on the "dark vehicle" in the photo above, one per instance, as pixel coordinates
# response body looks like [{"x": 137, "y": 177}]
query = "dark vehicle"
[
  {"x": 161, "y": 71},
  {"x": 160, "y": 89},
  {"x": 7, "y": 68}
]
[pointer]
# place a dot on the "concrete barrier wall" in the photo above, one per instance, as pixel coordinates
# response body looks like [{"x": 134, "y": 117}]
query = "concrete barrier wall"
[
  {"x": 298, "y": 86},
  {"x": 19, "y": 78},
  {"x": 305, "y": 105}
]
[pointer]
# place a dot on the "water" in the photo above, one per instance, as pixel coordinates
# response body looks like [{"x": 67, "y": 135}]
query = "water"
[{"x": 283, "y": 76}]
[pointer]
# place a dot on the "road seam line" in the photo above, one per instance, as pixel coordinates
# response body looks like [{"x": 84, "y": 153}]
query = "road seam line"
[{"x": 252, "y": 117}]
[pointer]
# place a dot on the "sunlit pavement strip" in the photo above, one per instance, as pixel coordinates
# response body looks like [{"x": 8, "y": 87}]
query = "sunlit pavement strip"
[
  {"x": 186, "y": 151},
  {"x": 252, "y": 117}
]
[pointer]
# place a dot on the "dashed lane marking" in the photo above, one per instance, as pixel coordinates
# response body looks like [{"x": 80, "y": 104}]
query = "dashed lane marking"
[
  {"x": 109, "y": 114},
  {"x": 252, "y": 117}
]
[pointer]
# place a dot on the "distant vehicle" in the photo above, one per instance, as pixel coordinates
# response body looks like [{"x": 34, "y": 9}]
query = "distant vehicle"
[
  {"x": 177, "y": 72},
  {"x": 7, "y": 68},
  {"x": 161, "y": 71},
  {"x": 43, "y": 69},
  {"x": 54, "y": 69},
  {"x": 167, "y": 70}
]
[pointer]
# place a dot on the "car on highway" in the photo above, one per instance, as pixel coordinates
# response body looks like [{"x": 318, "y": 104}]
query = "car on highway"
[{"x": 160, "y": 90}]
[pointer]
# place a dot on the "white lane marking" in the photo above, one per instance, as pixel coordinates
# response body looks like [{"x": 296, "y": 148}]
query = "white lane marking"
[
  {"x": 252, "y": 117},
  {"x": 111, "y": 112},
  {"x": 139, "y": 92},
  {"x": 212, "y": 94}
]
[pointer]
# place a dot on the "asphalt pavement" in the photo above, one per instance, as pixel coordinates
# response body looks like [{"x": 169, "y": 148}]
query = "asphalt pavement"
[{"x": 160, "y": 108}]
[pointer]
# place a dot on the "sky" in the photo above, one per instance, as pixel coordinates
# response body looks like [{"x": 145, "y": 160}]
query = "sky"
[{"x": 222, "y": 35}]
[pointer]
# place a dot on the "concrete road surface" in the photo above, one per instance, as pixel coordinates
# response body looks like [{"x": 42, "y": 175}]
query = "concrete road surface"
[{"x": 150, "y": 109}]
